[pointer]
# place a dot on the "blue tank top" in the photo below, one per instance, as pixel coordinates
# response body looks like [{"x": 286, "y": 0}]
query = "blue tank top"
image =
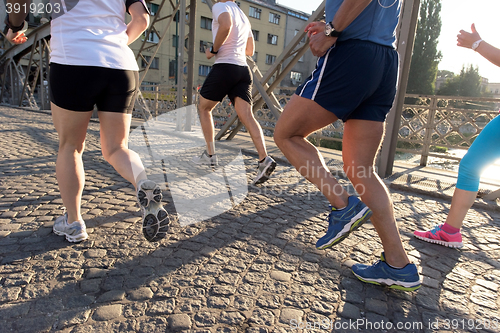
[{"x": 377, "y": 22}]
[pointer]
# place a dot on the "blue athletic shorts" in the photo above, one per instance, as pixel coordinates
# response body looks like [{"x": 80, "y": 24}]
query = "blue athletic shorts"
[{"x": 355, "y": 79}]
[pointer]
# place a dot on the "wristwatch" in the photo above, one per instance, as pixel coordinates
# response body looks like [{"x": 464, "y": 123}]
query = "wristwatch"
[
  {"x": 212, "y": 50},
  {"x": 475, "y": 45},
  {"x": 23, "y": 27},
  {"x": 330, "y": 30}
]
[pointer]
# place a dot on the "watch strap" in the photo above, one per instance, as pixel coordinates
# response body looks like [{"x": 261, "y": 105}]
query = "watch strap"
[
  {"x": 212, "y": 50},
  {"x": 22, "y": 27},
  {"x": 475, "y": 45},
  {"x": 333, "y": 32}
]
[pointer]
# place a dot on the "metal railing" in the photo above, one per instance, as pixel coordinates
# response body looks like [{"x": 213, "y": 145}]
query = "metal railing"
[{"x": 430, "y": 125}]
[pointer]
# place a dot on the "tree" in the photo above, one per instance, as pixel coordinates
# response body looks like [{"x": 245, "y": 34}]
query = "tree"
[
  {"x": 467, "y": 84},
  {"x": 426, "y": 57}
]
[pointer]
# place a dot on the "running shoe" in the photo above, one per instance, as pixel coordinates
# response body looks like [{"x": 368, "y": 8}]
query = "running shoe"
[
  {"x": 155, "y": 220},
  {"x": 344, "y": 221},
  {"x": 380, "y": 273},
  {"x": 264, "y": 170},
  {"x": 74, "y": 232},
  {"x": 204, "y": 159},
  {"x": 438, "y": 236}
]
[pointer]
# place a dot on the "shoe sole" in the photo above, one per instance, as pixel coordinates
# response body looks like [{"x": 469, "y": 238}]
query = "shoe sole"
[
  {"x": 149, "y": 191},
  {"x": 456, "y": 245},
  {"x": 390, "y": 283},
  {"x": 156, "y": 220},
  {"x": 69, "y": 238},
  {"x": 265, "y": 174},
  {"x": 155, "y": 227},
  {"x": 352, "y": 227}
]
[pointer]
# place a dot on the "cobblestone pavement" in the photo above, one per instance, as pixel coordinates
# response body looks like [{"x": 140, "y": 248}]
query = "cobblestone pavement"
[{"x": 251, "y": 269}]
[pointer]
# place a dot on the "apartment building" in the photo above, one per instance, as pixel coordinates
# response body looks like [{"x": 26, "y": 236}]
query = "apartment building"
[
  {"x": 273, "y": 27},
  {"x": 295, "y": 22}
]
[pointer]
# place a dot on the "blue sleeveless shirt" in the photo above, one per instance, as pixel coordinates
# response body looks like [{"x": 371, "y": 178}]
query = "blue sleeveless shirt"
[{"x": 377, "y": 22}]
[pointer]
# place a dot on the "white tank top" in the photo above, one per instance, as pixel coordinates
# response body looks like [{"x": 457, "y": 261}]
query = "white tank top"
[
  {"x": 233, "y": 49},
  {"x": 91, "y": 33}
]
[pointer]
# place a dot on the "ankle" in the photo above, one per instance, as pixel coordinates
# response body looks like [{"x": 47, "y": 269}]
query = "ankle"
[{"x": 449, "y": 228}]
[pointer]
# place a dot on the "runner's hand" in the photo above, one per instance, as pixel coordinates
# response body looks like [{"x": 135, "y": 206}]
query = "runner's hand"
[{"x": 16, "y": 37}]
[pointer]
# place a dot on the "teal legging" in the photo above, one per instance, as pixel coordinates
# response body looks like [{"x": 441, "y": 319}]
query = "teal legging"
[{"x": 484, "y": 151}]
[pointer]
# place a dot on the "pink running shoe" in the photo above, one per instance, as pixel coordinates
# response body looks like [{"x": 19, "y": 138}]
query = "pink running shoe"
[{"x": 437, "y": 236}]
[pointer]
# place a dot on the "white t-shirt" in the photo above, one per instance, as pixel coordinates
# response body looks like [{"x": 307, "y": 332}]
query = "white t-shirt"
[
  {"x": 233, "y": 49},
  {"x": 91, "y": 33}
]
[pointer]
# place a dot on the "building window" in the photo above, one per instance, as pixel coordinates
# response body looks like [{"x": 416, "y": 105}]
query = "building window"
[
  {"x": 153, "y": 8},
  {"x": 205, "y": 45},
  {"x": 206, "y": 23},
  {"x": 274, "y": 18},
  {"x": 255, "y": 56},
  {"x": 152, "y": 37},
  {"x": 203, "y": 70},
  {"x": 255, "y": 12},
  {"x": 255, "y": 34},
  {"x": 172, "y": 69},
  {"x": 155, "y": 64},
  {"x": 272, "y": 39},
  {"x": 296, "y": 77},
  {"x": 270, "y": 59}
]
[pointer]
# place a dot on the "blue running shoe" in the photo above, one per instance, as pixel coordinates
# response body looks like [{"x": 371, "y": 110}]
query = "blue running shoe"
[
  {"x": 342, "y": 222},
  {"x": 381, "y": 273}
]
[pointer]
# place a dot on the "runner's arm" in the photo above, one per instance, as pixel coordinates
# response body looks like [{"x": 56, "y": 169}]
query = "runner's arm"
[
  {"x": 250, "y": 49},
  {"x": 139, "y": 22},
  {"x": 225, "y": 23},
  {"x": 16, "y": 19}
]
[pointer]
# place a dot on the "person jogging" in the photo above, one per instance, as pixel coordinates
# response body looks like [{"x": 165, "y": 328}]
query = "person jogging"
[{"x": 231, "y": 76}]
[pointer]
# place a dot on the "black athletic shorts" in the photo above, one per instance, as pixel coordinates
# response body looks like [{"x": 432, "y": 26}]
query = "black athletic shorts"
[
  {"x": 228, "y": 79},
  {"x": 79, "y": 88}
]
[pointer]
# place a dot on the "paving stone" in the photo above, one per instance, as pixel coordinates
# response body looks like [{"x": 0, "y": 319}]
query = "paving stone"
[
  {"x": 163, "y": 307},
  {"x": 111, "y": 296},
  {"x": 240, "y": 271},
  {"x": 348, "y": 310},
  {"x": 179, "y": 322},
  {"x": 74, "y": 317},
  {"x": 107, "y": 312}
]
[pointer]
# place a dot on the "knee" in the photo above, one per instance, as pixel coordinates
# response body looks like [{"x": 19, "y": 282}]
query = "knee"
[
  {"x": 72, "y": 146},
  {"x": 204, "y": 108}
]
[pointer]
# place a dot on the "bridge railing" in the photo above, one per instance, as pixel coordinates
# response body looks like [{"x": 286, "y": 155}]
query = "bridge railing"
[{"x": 430, "y": 125}]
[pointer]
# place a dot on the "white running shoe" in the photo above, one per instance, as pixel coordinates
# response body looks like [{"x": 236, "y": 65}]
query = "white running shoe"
[
  {"x": 204, "y": 159},
  {"x": 264, "y": 170},
  {"x": 74, "y": 232}
]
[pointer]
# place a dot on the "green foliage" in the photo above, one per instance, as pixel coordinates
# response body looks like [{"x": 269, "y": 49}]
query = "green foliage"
[
  {"x": 426, "y": 57},
  {"x": 468, "y": 83}
]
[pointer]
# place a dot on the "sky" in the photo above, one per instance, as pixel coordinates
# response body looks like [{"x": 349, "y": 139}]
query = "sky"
[{"x": 455, "y": 15}]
